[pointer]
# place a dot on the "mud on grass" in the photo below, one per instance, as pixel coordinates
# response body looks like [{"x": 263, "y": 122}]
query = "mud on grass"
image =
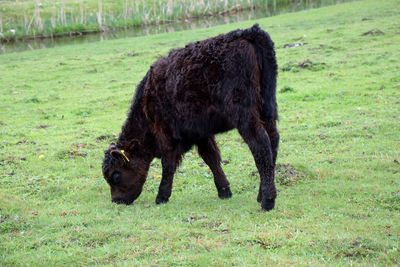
[{"x": 285, "y": 174}]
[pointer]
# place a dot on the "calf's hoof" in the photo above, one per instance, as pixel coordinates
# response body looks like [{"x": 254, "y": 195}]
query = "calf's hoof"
[
  {"x": 268, "y": 204},
  {"x": 161, "y": 199},
  {"x": 225, "y": 193},
  {"x": 259, "y": 197}
]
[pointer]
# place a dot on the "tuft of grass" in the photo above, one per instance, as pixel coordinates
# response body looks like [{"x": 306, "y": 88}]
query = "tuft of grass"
[
  {"x": 337, "y": 171},
  {"x": 286, "y": 89}
]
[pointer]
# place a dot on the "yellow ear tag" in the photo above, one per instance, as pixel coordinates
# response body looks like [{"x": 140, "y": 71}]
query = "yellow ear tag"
[{"x": 125, "y": 157}]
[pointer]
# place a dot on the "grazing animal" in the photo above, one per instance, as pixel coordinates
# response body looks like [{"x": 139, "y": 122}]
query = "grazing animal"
[{"x": 207, "y": 87}]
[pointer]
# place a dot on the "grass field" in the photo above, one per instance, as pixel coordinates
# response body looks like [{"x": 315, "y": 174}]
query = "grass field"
[{"x": 338, "y": 168}]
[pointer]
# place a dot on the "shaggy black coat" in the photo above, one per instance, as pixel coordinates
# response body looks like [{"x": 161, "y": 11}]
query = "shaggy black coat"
[{"x": 203, "y": 89}]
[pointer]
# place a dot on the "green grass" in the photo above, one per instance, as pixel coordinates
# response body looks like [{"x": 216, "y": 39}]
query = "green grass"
[{"x": 338, "y": 175}]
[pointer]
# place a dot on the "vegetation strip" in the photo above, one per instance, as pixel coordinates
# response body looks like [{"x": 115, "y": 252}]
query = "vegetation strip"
[{"x": 43, "y": 19}]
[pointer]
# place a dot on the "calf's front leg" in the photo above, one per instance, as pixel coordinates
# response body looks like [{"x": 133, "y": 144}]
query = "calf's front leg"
[{"x": 170, "y": 162}]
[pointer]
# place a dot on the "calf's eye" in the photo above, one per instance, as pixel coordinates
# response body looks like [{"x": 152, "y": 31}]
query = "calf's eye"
[{"x": 116, "y": 178}]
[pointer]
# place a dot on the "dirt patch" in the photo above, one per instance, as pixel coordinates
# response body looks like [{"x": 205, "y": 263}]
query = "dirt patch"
[
  {"x": 322, "y": 137},
  {"x": 373, "y": 32},
  {"x": 76, "y": 150},
  {"x": 226, "y": 161},
  {"x": 224, "y": 231},
  {"x": 265, "y": 243},
  {"x": 294, "y": 45},
  {"x": 194, "y": 218},
  {"x": 286, "y": 89},
  {"x": 285, "y": 174},
  {"x": 305, "y": 64},
  {"x": 3, "y": 124},
  {"x": 106, "y": 137},
  {"x": 308, "y": 64},
  {"x": 211, "y": 225},
  {"x": 11, "y": 160},
  {"x": 78, "y": 154},
  {"x": 74, "y": 212},
  {"x": 330, "y": 124},
  {"x": 23, "y": 141},
  {"x": 132, "y": 54},
  {"x": 79, "y": 145}
]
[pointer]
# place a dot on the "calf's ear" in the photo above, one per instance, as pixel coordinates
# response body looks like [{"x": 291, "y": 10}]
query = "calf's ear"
[
  {"x": 112, "y": 146},
  {"x": 120, "y": 154}
]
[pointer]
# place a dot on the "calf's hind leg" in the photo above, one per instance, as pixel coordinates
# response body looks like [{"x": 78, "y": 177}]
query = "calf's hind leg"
[
  {"x": 259, "y": 143},
  {"x": 274, "y": 137},
  {"x": 273, "y": 134},
  {"x": 209, "y": 151}
]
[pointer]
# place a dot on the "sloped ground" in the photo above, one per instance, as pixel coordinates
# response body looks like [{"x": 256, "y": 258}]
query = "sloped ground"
[{"x": 338, "y": 172}]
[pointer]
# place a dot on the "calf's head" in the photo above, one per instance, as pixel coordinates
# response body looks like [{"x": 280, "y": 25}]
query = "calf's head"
[{"x": 125, "y": 173}]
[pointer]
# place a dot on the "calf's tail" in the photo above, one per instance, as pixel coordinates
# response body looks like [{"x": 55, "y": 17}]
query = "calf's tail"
[{"x": 264, "y": 47}]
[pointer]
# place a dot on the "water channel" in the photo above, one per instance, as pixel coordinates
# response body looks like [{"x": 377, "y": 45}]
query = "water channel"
[{"x": 266, "y": 11}]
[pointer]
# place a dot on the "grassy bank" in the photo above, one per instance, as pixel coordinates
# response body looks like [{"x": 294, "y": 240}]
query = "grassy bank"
[
  {"x": 338, "y": 172},
  {"x": 23, "y": 18}
]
